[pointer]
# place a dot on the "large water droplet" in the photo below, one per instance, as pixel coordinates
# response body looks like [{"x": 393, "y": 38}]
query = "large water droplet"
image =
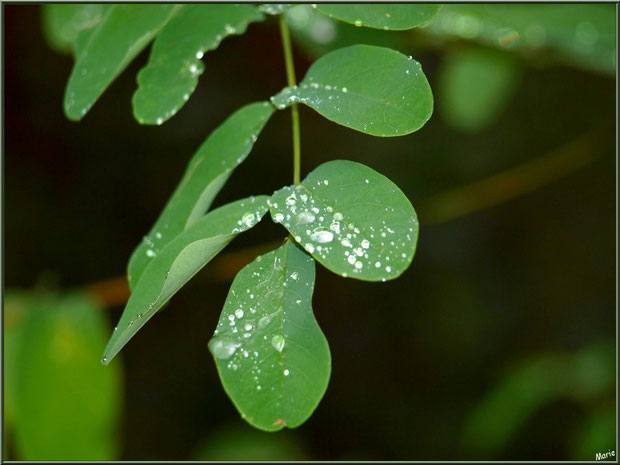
[
  {"x": 278, "y": 342},
  {"x": 222, "y": 348},
  {"x": 322, "y": 235}
]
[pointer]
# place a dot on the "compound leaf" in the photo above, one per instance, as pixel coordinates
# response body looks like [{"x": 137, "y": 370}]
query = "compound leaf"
[
  {"x": 353, "y": 220},
  {"x": 104, "y": 51},
  {"x": 374, "y": 90},
  {"x": 271, "y": 355},
  {"x": 181, "y": 259},
  {"x": 207, "y": 172},
  {"x": 381, "y": 16},
  {"x": 174, "y": 66}
]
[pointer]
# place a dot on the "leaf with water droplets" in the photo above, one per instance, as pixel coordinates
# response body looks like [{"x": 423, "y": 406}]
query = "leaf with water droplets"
[
  {"x": 174, "y": 66},
  {"x": 206, "y": 174},
  {"x": 353, "y": 220},
  {"x": 274, "y": 8},
  {"x": 271, "y": 355},
  {"x": 381, "y": 16},
  {"x": 375, "y": 90},
  {"x": 108, "y": 48},
  {"x": 181, "y": 259},
  {"x": 62, "y": 23}
]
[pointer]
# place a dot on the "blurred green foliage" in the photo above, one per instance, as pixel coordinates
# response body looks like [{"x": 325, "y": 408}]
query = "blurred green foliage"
[
  {"x": 61, "y": 403},
  {"x": 586, "y": 377}
]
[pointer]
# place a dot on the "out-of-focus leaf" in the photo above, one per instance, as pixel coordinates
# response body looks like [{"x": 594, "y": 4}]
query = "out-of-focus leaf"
[
  {"x": 374, "y": 90},
  {"x": 171, "y": 75},
  {"x": 353, "y": 220},
  {"x": 67, "y": 404},
  {"x": 318, "y": 34},
  {"x": 271, "y": 355},
  {"x": 244, "y": 443},
  {"x": 106, "y": 50},
  {"x": 206, "y": 174},
  {"x": 597, "y": 435},
  {"x": 179, "y": 261},
  {"x": 381, "y": 16},
  {"x": 527, "y": 386},
  {"x": 581, "y": 34},
  {"x": 63, "y": 22},
  {"x": 475, "y": 85}
]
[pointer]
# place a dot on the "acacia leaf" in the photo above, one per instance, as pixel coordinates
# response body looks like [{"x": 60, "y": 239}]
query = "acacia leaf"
[
  {"x": 207, "y": 172},
  {"x": 353, "y": 220},
  {"x": 271, "y": 355},
  {"x": 171, "y": 75},
  {"x": 387, "y": 16},
  {"x": 104, "y": 51},
  {"x": 375, "y": 90},
  {"x": 179, "y": 261}
]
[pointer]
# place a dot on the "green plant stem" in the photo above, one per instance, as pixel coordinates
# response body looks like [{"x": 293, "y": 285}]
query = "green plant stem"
[{"x": 291, "y": 81}]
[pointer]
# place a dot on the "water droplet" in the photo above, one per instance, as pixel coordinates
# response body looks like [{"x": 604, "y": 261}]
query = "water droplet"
[
  {"x": 358, "y": 265},
  {"x": 286, "y": 372},
  {"x": 358, "y": 22},
  {"x": 150, "y": 253},
  {"x": 351, "y": 259},
  {"x": 104, "y": 360},
  {"x": 322, "y": 235},
  {"x": 222, "y": 348},
  {"x": 291, "y": 199},
  {"x": 388, "y": 269},
  {"x": 365, "y": 244},
  {"x": 239, "y": 313},
  {"x": 305, "y": 217},
  {"x": 309, "y": 248},
  {"x": 249, "y": 219},
  {"x": 278, "y": 217},
  {"x": 278, "y": 342}
]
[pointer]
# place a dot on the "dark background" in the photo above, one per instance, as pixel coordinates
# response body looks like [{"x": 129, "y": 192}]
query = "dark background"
[{"x": 412, "y": 358}]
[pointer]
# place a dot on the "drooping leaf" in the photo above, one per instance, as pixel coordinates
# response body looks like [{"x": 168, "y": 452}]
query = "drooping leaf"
[
  {"x": 207, "y": 172},
  {"x": 171, "y": 75},
  {"x": 583, "y": 35},
  {"x": 475, "y": 85},
  {"x": 271, "y": 355},
  {"x": 63, "y": 22},
  {"x": 181, "y": 259},
  {"x": 374, "y": 90},
  {"x": 67, "y": 405},
  {"x": 394, "y": 17},
  {"x": 106, "y": 50},
  {"x": 353, "y": 220}
]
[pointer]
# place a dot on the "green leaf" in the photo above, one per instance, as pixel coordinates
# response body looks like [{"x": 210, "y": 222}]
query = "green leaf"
[
  {"x": 271, "y": 355},
  {"x": 583, "y": 35},
  {"x": 207, "y": 172},
  {"x": 374, "y": 90},
  {"x": 353, "y": 220},
  {"x": 179, "y": 261},
  {"x": 274, "y": 8},
  {"x": 381, "y": 16},
  {"x": 108, "y": 48},
  {"x": 171, "y": 75},
  {"x": 67, "y": 405},
  {"x": 63, "y": 22},
  {"x": 475, "y": 85}
]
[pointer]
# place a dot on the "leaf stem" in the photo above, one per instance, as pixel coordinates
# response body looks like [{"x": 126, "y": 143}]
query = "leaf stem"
[{"x": 291, "y": 81}]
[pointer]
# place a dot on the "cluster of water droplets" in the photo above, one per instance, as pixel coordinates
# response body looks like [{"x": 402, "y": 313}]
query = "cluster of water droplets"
[
  {"x": 250, "y": 335},
  {"x": 385, "y": 246}
]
